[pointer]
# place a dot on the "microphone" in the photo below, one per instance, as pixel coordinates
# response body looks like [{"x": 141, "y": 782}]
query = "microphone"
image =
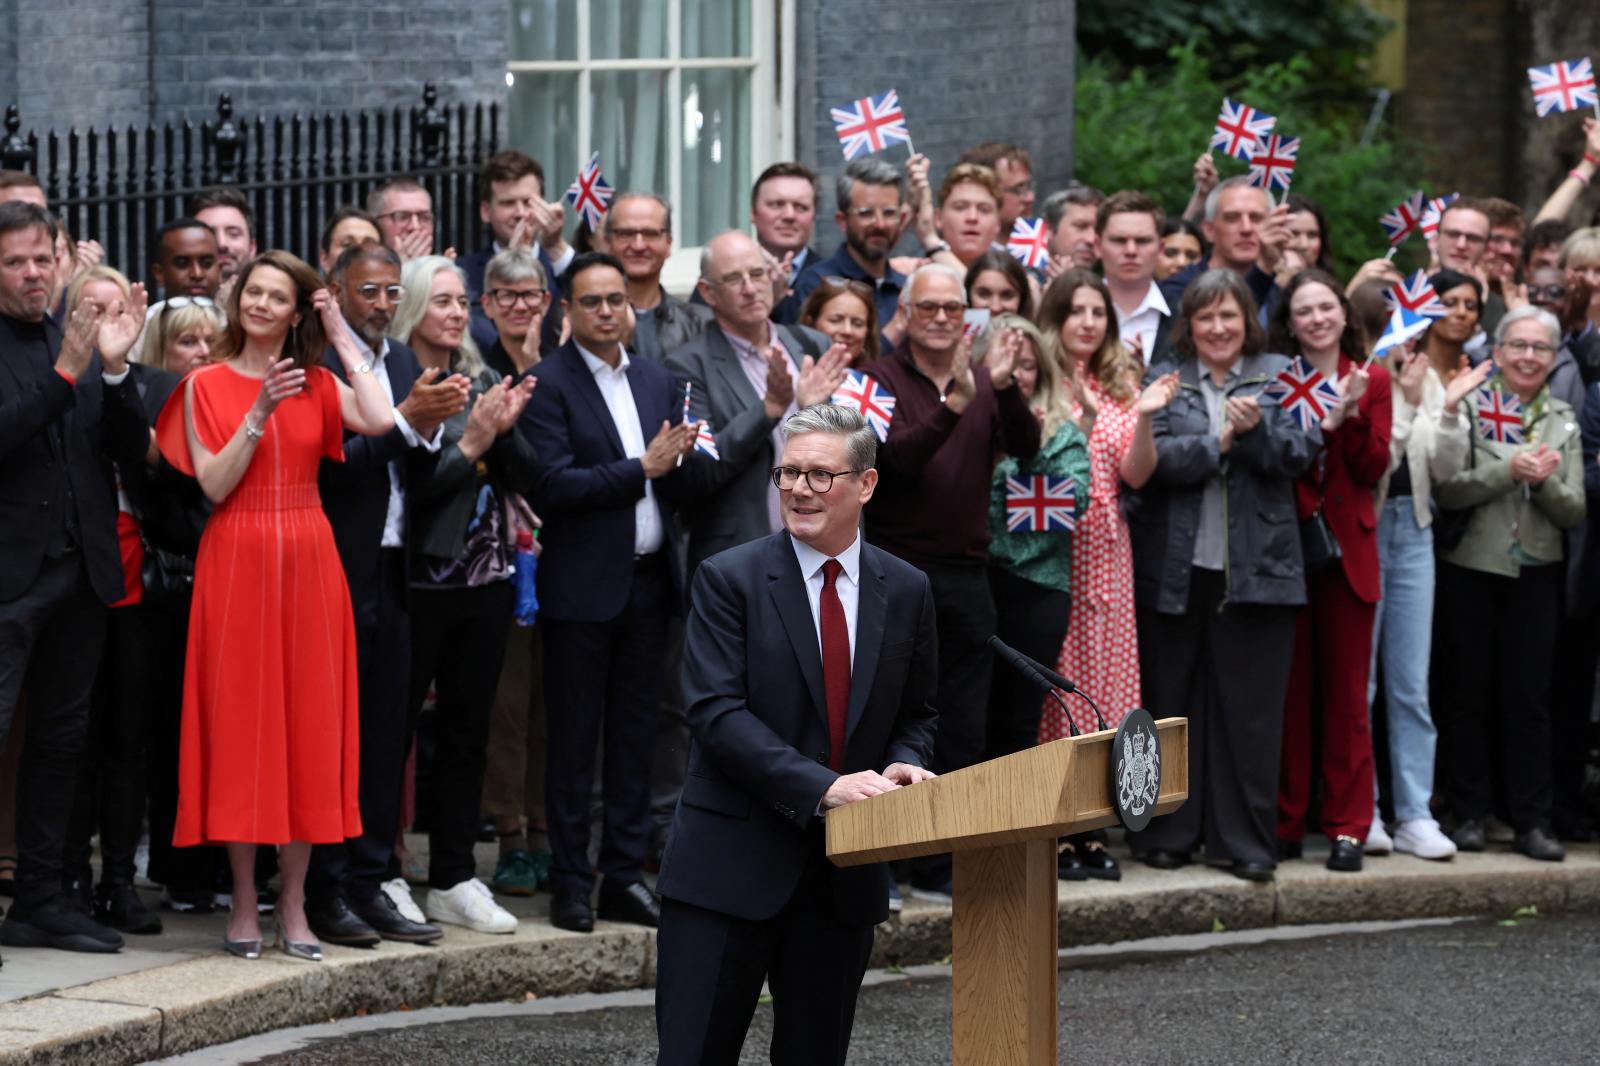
[
  {"x": 1030, "y": 670},
  {"x": 1028, "y": 664}
]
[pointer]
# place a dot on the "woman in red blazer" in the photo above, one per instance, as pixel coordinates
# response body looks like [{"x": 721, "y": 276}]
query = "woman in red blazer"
[{"x": 1333, "y": 637}]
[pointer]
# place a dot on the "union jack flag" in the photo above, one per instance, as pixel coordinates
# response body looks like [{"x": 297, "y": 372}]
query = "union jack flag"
[
  {"x": 1303, "y": 392},
  {"x": 1564, "y": 86},
  {"x": 1433, "y": 213},
  {"x": 1239, "y": 127},
  {"x": 1030, "y": 243},
  {"x": 590, "y": 194},
  {"x": 1040, "y": 504},
  {"x": 876, "y": 403},
  {"x": 1404, "y": 219},
  {"x": 704, "y": 442},
  {"x": 1416, "y": 295},
  {"x": 1403, "y": 325},
  {"x": 871, "y": 124},
  {"x": 1499, "y": 416},
  {"x": 1272, "y": 162}
]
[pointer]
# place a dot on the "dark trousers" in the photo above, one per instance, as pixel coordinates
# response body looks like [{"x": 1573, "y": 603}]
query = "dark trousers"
[
  {"x": 1032, "y": 619},
  {"x": 672, "y": 744},
  {"x": 1571, "y": 700},
  {"x": 458, "y": 643},
  {"x": 1226, "y": 671},
  {"x": 50, "y": 642},
  {"x": 358, "y": 867},
  {"x": 180, "y": 869},
  {"x": 1497, "y": 653},
  {"x": 965, "y": 620},
  {"x": 602, "y": 685},
  {"x": 710, "y": 969}
]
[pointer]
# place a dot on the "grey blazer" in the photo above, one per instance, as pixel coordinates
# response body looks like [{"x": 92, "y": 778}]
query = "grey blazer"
[{"x": 726, "y": 501}]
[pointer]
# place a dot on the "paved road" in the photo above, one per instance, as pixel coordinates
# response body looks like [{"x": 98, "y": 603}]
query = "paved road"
[{"x": 1452, "y": 992}]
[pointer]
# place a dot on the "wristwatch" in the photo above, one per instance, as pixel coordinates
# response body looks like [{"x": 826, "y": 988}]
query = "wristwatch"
[
  {"x": 935, "y": 248},
  {"x": 251, "y": 431},
  {"x": 364, "y": 368}
]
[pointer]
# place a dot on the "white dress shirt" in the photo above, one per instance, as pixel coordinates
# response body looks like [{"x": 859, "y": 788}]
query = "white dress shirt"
[
  {"x": 394, "y": 520},
  {"x": 618, "y": 395},
  {"x": 753, "y": 361},
  {"x": 848, "y": 585},
  {"x": 1140, "y": 325}
]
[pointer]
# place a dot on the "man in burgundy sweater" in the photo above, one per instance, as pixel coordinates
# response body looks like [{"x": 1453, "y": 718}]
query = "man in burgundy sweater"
[{"x": 952, "y": 422}]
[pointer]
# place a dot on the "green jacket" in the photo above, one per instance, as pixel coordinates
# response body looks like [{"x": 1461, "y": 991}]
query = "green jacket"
[
  {"x": 1043, "y": 558},
  {"x": 1512, "y": 525}
]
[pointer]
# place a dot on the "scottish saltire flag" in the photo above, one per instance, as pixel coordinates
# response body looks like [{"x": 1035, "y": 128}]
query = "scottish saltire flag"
[
  {"x": 1040, "y": 504},
  {"x": 1416, "y": 295},
  {"x": 871, "y": 124},
  {"x": 1404, "y": 324},
  {"x": 1272, "y": 162},
  {"x": 876, "y": 403},
  {"x": 590, "y": 194},
  {"x": 1433, "y": 213},
  {"x": 1499, "y": 416},
  {"x": 1564, "y": 86},
  {"x": 1402, "y": 222},
  {"x": 704, "y": 442},
  {"x": 1303, "y": 392},
  {"x": 1030, "y": 243},
  {"x": 1239, "y": 127}
]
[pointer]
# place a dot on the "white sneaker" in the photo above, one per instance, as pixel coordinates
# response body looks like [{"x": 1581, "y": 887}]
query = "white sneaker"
[
  {"x": 1378, "y": 842},
  {"x": 399, "y": 894},
  {"x": 1421, "y": 837},
  {"x": 470, "y": 904}
]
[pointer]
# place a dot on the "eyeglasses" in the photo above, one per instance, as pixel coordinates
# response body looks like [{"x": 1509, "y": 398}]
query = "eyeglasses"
[
  {"x": 849, "y": 283},
  {"x": 592, "y": 302},
  {"x": 1021, "y": 188},
  {"x": 506, "y": 299},
  {"x": 930, "y": 309},
  {"x": 1525, "y": 347},
  {"x": 370, "y": 292},
  {"x": 627, "y": 235},
  {"x": 1462, "y": 236},
  {"x": 756, "y": 276},
  {"x": 406, "y": 218},
  {"x": 786, "y": 477},
  {"x": 1547, "y": 292}
]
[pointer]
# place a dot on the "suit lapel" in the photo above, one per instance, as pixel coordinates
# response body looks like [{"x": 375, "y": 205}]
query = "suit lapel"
[
  {"x": 584, "y": 385},
  {"x": 726, "y": 363},
  {"x": 646, "y": 403},
  {"x": 794, "y": 608},
  {"x": 872, "y": 608}
]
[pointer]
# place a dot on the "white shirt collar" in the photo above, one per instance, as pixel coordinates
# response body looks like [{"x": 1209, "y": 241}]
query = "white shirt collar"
[
  {"x": 811, "y": 560},
  {"x": 1153, "y": 300},
  {"x": 597, "y": 364},
  {"x": 361, "y": 342}
]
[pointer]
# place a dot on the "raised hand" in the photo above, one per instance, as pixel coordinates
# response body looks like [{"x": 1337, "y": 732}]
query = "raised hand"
[
  {"x": 1205, "y": 174},
  {"x": 821, "y": 378},
  {"x": 1002, "y": 359},
  {"x": 1156, "y": 395},
  {"x": 482, "y": 423},
  {"x": 1413, "y": 372},
  {"x": 1351, "y": 388},
  {"x": 1274, "y": 238},
  {"x": 1244, "y": 413},
  {"x": 77, "y": 345},
  {"x": 780, "y": 384},
  {"x": 522, "y": 234},
  {"x": 432, "y": 400},
  {"x": 1465, "y": 383},
  {"x": 1374, "y": 270},
  {"x": 532, "y": 345},
  {"x": 414, "y": 245},
  {"x": 549, "y": 222},
  {"x": 283, "y": 380},
  {"x": 667, "y": 447},
  {"x": 120, "y": 328}
]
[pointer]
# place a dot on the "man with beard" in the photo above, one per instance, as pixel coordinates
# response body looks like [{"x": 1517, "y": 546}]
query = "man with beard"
[
  {"x": 225, "y": 209},
  {"x": 871, "y": 196}
]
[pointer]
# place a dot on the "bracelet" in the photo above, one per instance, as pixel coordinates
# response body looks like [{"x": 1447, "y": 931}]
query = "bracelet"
[
  {"x": 934, "y": 249},
  {"x": 364, "y": 368},
  {"x": 251, "y": 432},
  {"x": 1591, "y": 159},
  {"x": 1583, "y": 179}
]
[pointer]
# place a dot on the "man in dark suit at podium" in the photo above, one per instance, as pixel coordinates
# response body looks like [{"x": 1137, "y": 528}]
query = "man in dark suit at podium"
[{"x": 808, "y": 664}]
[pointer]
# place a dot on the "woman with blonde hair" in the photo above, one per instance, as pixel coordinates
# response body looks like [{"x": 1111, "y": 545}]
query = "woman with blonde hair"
[{"x": 182, "y": 336}]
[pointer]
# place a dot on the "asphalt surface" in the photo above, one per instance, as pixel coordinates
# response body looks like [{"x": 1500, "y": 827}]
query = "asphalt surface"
[{"x": 1516, "y": 991}]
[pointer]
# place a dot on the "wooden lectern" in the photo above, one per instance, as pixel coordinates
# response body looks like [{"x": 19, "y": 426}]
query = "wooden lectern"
[{"x": 1001, "y": 819}]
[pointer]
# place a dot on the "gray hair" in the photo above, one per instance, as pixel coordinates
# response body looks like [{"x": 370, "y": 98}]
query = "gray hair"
[
  {"x": 416, "y": 278},
  {"x": 872, "y": 171},
  {"x": 1238, "y": 181},
  {"x": 934, "y": 268},
  {"x": 861, "y": 443},
  {"x": 514, "y": 265},
  {"x": 605, "y": 222},
  {"x": 1075, "y": 194},
  {"x": 1538, "y": 314},
  {"x": 706, "y": 257}
]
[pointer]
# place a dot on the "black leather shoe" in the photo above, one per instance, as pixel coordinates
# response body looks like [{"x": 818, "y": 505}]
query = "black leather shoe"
[
  {"x": 1253, "y": 871},
  {"x": 1290, "y": 849},
  {"x": 631, "y": 902},
  {"x": 334, "y": 922},
  {"x": 119, "y": 906},
  {"x": 79, "y": 891},
  {"x": 385, "y": 918},
  {"x": 1538, "y": 844},
  {"x": 1165, "y": 860},
  {"x": 56, "y": 923},
  {"x": 570, "y": 910},
  {"x": 1069, "y": 866},
  {"x": 1097, "y": 861},
  {"x": 1346, "y": 855},
  {"x": 1469, "y": 836}
]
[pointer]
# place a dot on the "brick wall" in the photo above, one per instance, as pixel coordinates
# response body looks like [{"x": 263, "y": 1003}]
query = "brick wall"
[{"x": 76, "y": 64}]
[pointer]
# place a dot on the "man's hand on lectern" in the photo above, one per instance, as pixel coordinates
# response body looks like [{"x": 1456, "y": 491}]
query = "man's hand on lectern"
[
  {"x": 852, "y": 787},
  {"x": 903, "y": 773}
]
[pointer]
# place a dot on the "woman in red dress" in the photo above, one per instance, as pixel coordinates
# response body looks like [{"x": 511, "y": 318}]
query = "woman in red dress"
[{"x": 269, "y": 746}]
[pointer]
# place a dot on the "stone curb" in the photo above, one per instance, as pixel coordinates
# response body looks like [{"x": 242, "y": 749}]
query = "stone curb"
[{"x": 212, "y": 999}]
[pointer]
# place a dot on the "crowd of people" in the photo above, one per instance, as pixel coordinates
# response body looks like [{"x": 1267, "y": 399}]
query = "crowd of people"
[{"x": 268, "y": 536}]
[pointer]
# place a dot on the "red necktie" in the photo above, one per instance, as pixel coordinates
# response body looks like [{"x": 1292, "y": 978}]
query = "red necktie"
[{"x": 835, "y": 662}]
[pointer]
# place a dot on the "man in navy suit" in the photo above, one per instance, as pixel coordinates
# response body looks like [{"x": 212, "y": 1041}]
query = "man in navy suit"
[
  {"x": 609, "y": 435},
  {"x": 808, "y": 664}
]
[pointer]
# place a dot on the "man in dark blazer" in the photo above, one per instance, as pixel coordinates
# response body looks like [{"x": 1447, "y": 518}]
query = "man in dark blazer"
[
  {"x": 511, "y": 203},
  {"x": 66, "y": 413},
  {"x": 809, "y": 663},
  {"x": 354, "y": 893},
  {"x": 609, "y": 435}
]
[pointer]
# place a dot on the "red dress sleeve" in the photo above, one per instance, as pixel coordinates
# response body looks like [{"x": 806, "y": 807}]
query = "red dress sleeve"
[
  {"x": 332, "y": 414},
  {"x": 171, "y": 437}
]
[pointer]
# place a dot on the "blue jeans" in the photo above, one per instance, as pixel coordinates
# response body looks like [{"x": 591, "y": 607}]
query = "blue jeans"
[{"x": 1403, "y": 634}]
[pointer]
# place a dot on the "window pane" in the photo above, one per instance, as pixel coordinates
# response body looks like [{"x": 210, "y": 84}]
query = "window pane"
[
  {"x": 627, "y": 29},
  {"x": 628, "y": 124},
  {"x": 544, "y": 29},
  {"x": 715, "y": 152},
  {"x": 544, "y": 123},
  {"x": 716, "y": 29}
]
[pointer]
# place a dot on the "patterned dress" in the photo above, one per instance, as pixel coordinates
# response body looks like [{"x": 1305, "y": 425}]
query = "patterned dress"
[{"x": 1101, "y": 652}]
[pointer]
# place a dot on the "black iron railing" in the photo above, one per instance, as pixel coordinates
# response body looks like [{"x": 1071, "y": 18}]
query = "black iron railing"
[{"x": 119, "y": 186}]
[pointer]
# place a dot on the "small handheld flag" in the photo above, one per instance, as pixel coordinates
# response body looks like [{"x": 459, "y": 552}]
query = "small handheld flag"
[
  {"x": 1303, "y": 392},
  {"x": 590, "y": 194},
  {"x": 1403, "y": 325},
  {"x": 1272, "y": 162},
  {"x": 1402, "y": 222},
  {"x": 1499, "y": 416},
  {"x": 1040, "y": 504},
  {"x": 1030, "y": 243},
  {"x": 863, "y": 393},
  {"x": 704, "y": 442},
  {"x": 1563, "y": 86},
  {"x": 1433, "y": 214},
  {"x": 871, "y": 124},
  {"x": 1239, "y": 127},
  {"x": 1415, "y": 295}
]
